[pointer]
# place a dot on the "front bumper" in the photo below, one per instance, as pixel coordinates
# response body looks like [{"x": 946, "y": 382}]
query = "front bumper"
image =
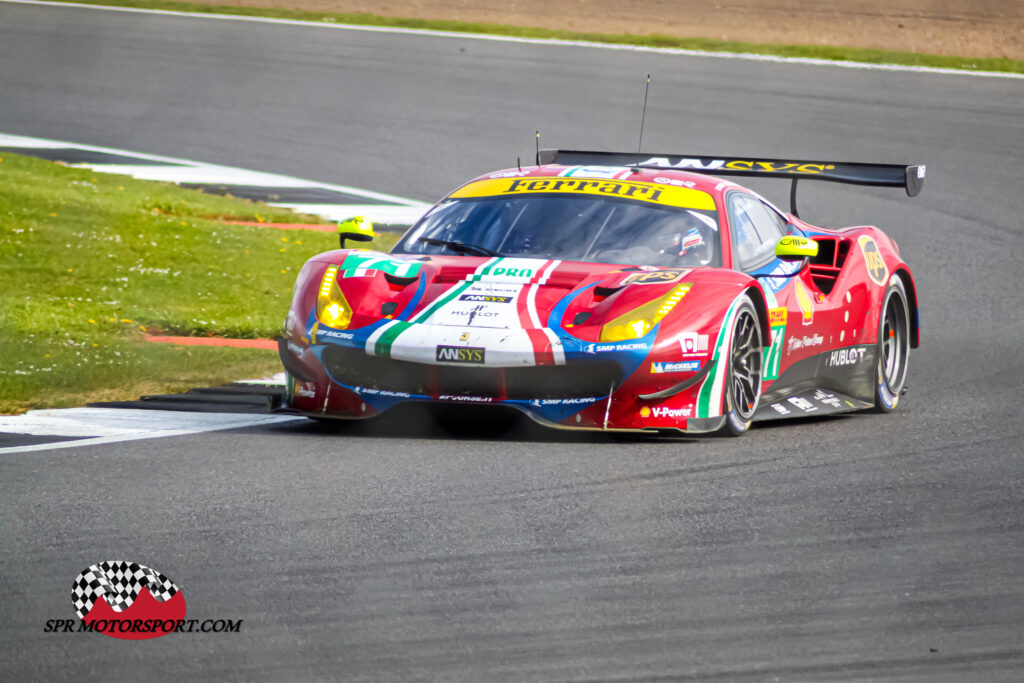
[{"x": 596, "y": 387}]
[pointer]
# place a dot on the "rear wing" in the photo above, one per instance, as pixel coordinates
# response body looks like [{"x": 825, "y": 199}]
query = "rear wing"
[{"x": 910, "y": 178}]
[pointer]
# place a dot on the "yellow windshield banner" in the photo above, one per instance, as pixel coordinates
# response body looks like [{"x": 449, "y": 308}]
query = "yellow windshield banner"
[{"x": 666, "y": 195}]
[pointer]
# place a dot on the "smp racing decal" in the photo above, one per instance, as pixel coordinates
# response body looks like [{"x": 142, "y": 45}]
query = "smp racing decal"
[
  {"x": 460, "y": 354},
  {"x": 328, "y": 333},
  {"x": 605, "y": 348},
  {"x": 539, "y": 402},
  {"x": 381, "y": 392},
  {"x": 873, "y": 261}
]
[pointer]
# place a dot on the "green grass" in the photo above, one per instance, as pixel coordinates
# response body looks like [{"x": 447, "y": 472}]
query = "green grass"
[
  {"x": 854, "y": 54},
  {"x": 90, "y": 263}
]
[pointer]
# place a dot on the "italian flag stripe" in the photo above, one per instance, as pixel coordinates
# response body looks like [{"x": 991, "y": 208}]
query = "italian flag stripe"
[
  {"x": 383, "y": 345},
  {"x": 522, "y": 307},
  {"x": 485, "y": 269},
  {"x": 423, "y": 315},
  {"x": 709, "y": 400},
  {"x": 542, "y": 352}
]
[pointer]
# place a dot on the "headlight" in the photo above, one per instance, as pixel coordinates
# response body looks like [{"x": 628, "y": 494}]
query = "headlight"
[
  {"x": 642, "y": 320},
  {"x": 332, "y": 308}
]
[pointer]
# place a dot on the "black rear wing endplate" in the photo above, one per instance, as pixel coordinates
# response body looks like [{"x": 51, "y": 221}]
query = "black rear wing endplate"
[{"x": 909, "y": 177}]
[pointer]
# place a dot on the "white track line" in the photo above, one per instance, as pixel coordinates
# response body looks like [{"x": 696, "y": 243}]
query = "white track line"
[
  {"x": 397, "y": 210},
  {"x": 540, "y": 41},
  {"x": 114, "y": 425},
  {"x": 277, "y": 380}
]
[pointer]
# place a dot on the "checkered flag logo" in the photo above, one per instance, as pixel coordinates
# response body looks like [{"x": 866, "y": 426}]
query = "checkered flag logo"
[{"x": 119, "y": 583}]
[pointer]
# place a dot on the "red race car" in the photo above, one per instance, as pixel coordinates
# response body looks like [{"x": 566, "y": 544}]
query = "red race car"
[{"x": 607, "y": 291}]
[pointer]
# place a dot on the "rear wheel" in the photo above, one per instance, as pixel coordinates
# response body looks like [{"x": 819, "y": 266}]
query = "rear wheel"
[
  {"x": 893, "y": 347},
  {"x": 743, "y": 378}
]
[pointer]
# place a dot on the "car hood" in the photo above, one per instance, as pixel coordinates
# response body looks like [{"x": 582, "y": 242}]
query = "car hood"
[
  {"x": 497, "y": 293},
  {"x": 506, "y": 311}
]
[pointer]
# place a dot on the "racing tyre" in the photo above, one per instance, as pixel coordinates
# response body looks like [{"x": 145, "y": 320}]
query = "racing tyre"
[
  {"x": 743, "y": 377},
  {"x": 893, "y": 347}
]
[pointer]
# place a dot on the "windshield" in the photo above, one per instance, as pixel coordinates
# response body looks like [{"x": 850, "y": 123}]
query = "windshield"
[{"x": 570, "y": 227}]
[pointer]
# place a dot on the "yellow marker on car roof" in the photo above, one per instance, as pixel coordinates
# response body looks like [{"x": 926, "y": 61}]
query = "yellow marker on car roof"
[{"x": 357, "y": 229}]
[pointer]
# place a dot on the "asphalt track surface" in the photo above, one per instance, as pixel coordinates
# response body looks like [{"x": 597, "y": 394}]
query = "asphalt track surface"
[{"x": 866, "y": 547}]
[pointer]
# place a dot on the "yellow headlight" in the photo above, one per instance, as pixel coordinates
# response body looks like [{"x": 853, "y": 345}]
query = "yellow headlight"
[
  {"x": 332, "y": 308},
  {"x": 632, "y": 329},
  {"x": 642, "y": 320}
]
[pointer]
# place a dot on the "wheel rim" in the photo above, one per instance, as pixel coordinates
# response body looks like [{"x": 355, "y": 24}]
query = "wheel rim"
[
  {"x": 894, "y": 344},
  {"x": 745, "y": 379}
]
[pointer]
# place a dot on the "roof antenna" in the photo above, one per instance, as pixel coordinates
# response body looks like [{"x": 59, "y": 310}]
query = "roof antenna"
[
  {"x": 538, "y": 148},
  {"x": 643, "y": 117},
  {"x": 519, "y": 164}
]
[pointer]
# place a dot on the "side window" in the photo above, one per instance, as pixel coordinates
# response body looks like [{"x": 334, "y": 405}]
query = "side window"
[{"x": 755, "y": 230}]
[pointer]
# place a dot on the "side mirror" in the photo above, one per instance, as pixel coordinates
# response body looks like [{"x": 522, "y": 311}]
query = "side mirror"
[
  {"x": 796, "y": 248},
  {"x": 357, "y": 229}
]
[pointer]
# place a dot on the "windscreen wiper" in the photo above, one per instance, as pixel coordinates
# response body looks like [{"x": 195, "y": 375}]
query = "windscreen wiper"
[{"x": 460, "y": 247}]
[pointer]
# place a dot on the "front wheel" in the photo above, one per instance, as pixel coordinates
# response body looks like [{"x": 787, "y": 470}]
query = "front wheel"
[
  {"x": 893, "y": 347},
  {"x": 743, "y": 377}
]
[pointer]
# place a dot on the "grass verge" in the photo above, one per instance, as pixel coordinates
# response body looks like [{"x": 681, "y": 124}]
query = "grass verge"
[
  {"x": 90, "y": 262},
  {"x": 847, "y": 54}
]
